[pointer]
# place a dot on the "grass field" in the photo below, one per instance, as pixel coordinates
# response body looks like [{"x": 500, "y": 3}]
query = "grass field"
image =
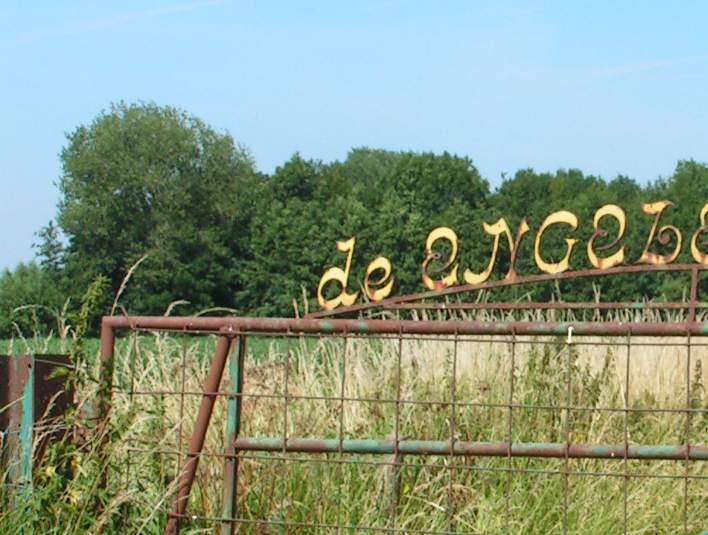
[{"x": 472, "y": 495}]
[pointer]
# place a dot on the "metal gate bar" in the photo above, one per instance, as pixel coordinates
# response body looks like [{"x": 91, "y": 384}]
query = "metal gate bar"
[
  {"x": 474, "y": 449},
  {"x": 325, "y": 327},
  {"x": 200, "y": 428}
]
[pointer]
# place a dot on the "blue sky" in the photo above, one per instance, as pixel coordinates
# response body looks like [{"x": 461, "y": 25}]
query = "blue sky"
[{"x": 607, "y": 87}]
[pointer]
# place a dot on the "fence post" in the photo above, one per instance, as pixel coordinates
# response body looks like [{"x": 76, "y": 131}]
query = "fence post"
[
  {"x": 105, "y": 394},
  {"x": 233, "y": 428}
]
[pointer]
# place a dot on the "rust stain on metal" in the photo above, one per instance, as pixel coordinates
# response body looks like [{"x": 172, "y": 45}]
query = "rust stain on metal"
[{"x": 33, "y": 401}]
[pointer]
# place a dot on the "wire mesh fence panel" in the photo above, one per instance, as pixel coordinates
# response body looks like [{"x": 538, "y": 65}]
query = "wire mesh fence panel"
[{"x": 411, "y": 427}]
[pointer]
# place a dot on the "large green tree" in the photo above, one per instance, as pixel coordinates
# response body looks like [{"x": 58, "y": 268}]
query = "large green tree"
[
  {"x": 389, "y": 201},
  {"x": 144, "y": 179}
]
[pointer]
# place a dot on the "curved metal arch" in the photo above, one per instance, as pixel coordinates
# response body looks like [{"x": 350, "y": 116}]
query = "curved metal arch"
[{"x": 413, "y": 301}]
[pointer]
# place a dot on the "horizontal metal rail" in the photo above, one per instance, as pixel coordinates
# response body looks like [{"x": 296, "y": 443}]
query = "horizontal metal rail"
[
  {"x": 231, "y": 325},
  {"x": 476, "y": 449},
  {"x": 532, "y": 305}
]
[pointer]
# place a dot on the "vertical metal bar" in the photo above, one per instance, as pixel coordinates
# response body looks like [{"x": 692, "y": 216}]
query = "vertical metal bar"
[
  {"x": 688, "y": 433},
  {"x": 625, "y": 511},
  {"x": 396, "y": 462},
  {"x": 510, "y": 433},
  {"x": 108, "y": 340},
  {"x": 694, "y": 294},
  {"x": 131, "y": 395},
  {"x": 201, "y": 425},
  {"x": 453, "y": 432},
  {"x": 340, "y": 465},
  {"x": 566, "y": 465},
  {"x": 695, "y": 283},
  {"x": 183, "y": 382},
  {"x": 284, "y": 451},
  {"x": 107, "y": 363},
  {"x": 233, "y": 428}
]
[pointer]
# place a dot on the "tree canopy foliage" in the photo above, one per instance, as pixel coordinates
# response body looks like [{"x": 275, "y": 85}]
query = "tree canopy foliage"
[
  {"x": 152, "y": 182},
  {"x": 147, "y": 180}
]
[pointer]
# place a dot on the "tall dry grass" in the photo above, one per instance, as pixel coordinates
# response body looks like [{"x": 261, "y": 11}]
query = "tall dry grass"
[
  {"x": 290, "y": 493},
  {"x": 294, "y": 493}
]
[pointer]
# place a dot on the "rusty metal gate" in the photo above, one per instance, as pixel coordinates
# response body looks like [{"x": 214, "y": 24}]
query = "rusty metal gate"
[{"x": 419, "y": 416}]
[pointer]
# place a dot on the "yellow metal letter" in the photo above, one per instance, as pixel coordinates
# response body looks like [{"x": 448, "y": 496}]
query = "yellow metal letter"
[
  {"x": 701, "y": 258},
  {"x": 497, "y": 230},
  {"x": 378, "y": 289},
  {"x": 663, "y": 234},
  {"x": 556, "y": 218},
  {"x": 440, "y": 233},
  {"x": 336, "y": 274},
  {"x": 617, "y": 258}
]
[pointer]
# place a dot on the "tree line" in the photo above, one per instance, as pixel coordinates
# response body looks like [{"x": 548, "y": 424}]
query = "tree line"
[{"x": 157, "y": 187}]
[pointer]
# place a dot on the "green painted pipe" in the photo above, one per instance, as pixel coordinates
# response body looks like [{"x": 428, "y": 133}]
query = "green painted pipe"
[{"x": 475, "y": 449}]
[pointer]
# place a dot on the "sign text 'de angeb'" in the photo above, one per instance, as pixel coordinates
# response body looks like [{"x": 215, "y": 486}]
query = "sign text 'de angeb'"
[{"x": 379, "y": 279}]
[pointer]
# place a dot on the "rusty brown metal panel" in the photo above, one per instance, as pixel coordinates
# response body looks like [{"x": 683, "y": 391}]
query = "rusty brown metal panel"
[
  {"x": 34, "y": 398},
  {"x": 53, "y": 396},
  {"x": 51, "y": 372}
]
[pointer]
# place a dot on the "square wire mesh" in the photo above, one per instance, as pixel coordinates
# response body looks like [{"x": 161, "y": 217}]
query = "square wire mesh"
[{"x": 353, "y": 433}]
